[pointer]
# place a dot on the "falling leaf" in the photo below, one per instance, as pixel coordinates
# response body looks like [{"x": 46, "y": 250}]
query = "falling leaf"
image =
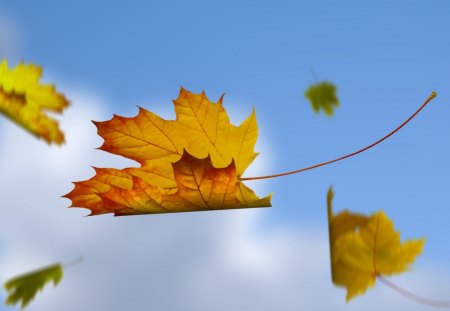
[
  {"x": 24, "y": 100},
  {"x": 193, "y": 163},
  {"x": 322, "y": 96},
  {"x": 364, "y": 247},
  {"x": 23, "y": 289}
]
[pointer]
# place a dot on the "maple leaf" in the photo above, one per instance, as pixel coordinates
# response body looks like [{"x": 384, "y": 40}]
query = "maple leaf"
[
  {"x": 23, "y": 99},
  {"x": 364, "y": 247},
  {"x": 322, "y": 96},
  {"x": 193, "y": 163},
  {"x": 23, "y": 289}
]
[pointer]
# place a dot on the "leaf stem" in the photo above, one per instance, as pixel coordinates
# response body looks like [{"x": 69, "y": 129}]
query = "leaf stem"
[
  {"x": 73, "y": 262},
  {"x": 414, "y": 297},
  {"x": 313, "y": 73},
  {"x": 433, "y": 95}
]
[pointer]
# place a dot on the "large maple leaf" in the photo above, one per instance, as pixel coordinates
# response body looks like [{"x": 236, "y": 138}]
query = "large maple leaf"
[
  {"x": 363, "y": 248},
  {"x": 193, "y": 163},
  {"x": 23, "y": 99}
]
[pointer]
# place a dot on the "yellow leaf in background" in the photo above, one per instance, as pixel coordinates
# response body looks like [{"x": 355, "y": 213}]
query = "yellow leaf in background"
[
  {"x": 24, "y": 100},
  {"x": 23, "y": 289},
  {"x": 322, "y": 96},
  {"x": 363, "y": 247},
  {"x": 190, "y": 164}
]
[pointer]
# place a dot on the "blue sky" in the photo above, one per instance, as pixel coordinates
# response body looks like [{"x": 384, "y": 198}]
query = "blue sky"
[{"x": 385, "y": 57}]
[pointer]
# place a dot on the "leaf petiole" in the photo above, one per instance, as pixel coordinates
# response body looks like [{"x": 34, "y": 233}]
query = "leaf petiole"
[
  {"x": 72, "y": 263},
  {"x": 433, "y": 95},
  {"x": 414, "y": 297}
]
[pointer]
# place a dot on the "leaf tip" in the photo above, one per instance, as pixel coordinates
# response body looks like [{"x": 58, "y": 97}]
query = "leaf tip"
[
  {"x": 183, "y": 91},
  {"x": 221, "y": 98}
]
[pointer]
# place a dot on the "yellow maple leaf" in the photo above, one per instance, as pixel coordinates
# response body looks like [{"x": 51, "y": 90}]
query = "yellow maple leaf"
[
  {"x": 364, "y": 247},
  {"x": 23, "y": 99},
  {"x": 193, "y": 163}
]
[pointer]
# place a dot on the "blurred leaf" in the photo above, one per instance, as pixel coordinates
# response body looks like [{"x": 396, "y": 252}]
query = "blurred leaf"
[
  {"x": 23, "y": 99},
  {"x": 23, "y": 289},
  {"x": 322, "y": 96},
  {"x": 364, "y": 247}
]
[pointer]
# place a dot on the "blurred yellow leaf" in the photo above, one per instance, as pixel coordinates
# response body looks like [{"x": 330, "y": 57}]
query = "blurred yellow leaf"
[
  {"x": 322, "y": 96},
  {"x": 23, "y": 289},
  {"x": 24, "y": 100},
  {"x": 364, "y": 247}
]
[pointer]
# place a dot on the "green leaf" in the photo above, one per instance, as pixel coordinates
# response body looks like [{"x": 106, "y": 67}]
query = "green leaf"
[
  {"x": 24, "y": 287},
  {"x": 322, "y": 96}
]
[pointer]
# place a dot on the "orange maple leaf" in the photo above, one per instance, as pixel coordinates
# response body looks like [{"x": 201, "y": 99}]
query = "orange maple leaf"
[
  {"x": 193, "y": 163},
  {"x": 23, "y": 99}
]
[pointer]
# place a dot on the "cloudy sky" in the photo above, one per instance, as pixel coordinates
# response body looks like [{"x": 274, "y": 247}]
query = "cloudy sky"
[{"x": 385, "y": 57}]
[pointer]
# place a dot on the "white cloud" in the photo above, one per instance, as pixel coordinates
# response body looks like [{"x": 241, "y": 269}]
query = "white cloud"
[{"x": 193, "y": 261}]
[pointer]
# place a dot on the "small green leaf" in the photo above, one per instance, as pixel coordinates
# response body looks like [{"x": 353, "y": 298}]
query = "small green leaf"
[
  {"x": 322, "y": 96},
  {"x": 24, "y": 287}
]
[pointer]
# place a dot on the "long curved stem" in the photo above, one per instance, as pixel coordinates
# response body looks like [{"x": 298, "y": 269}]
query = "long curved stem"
[
  {"x": 414, "y": 297},
  {"x": 433, "y": 95}
]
